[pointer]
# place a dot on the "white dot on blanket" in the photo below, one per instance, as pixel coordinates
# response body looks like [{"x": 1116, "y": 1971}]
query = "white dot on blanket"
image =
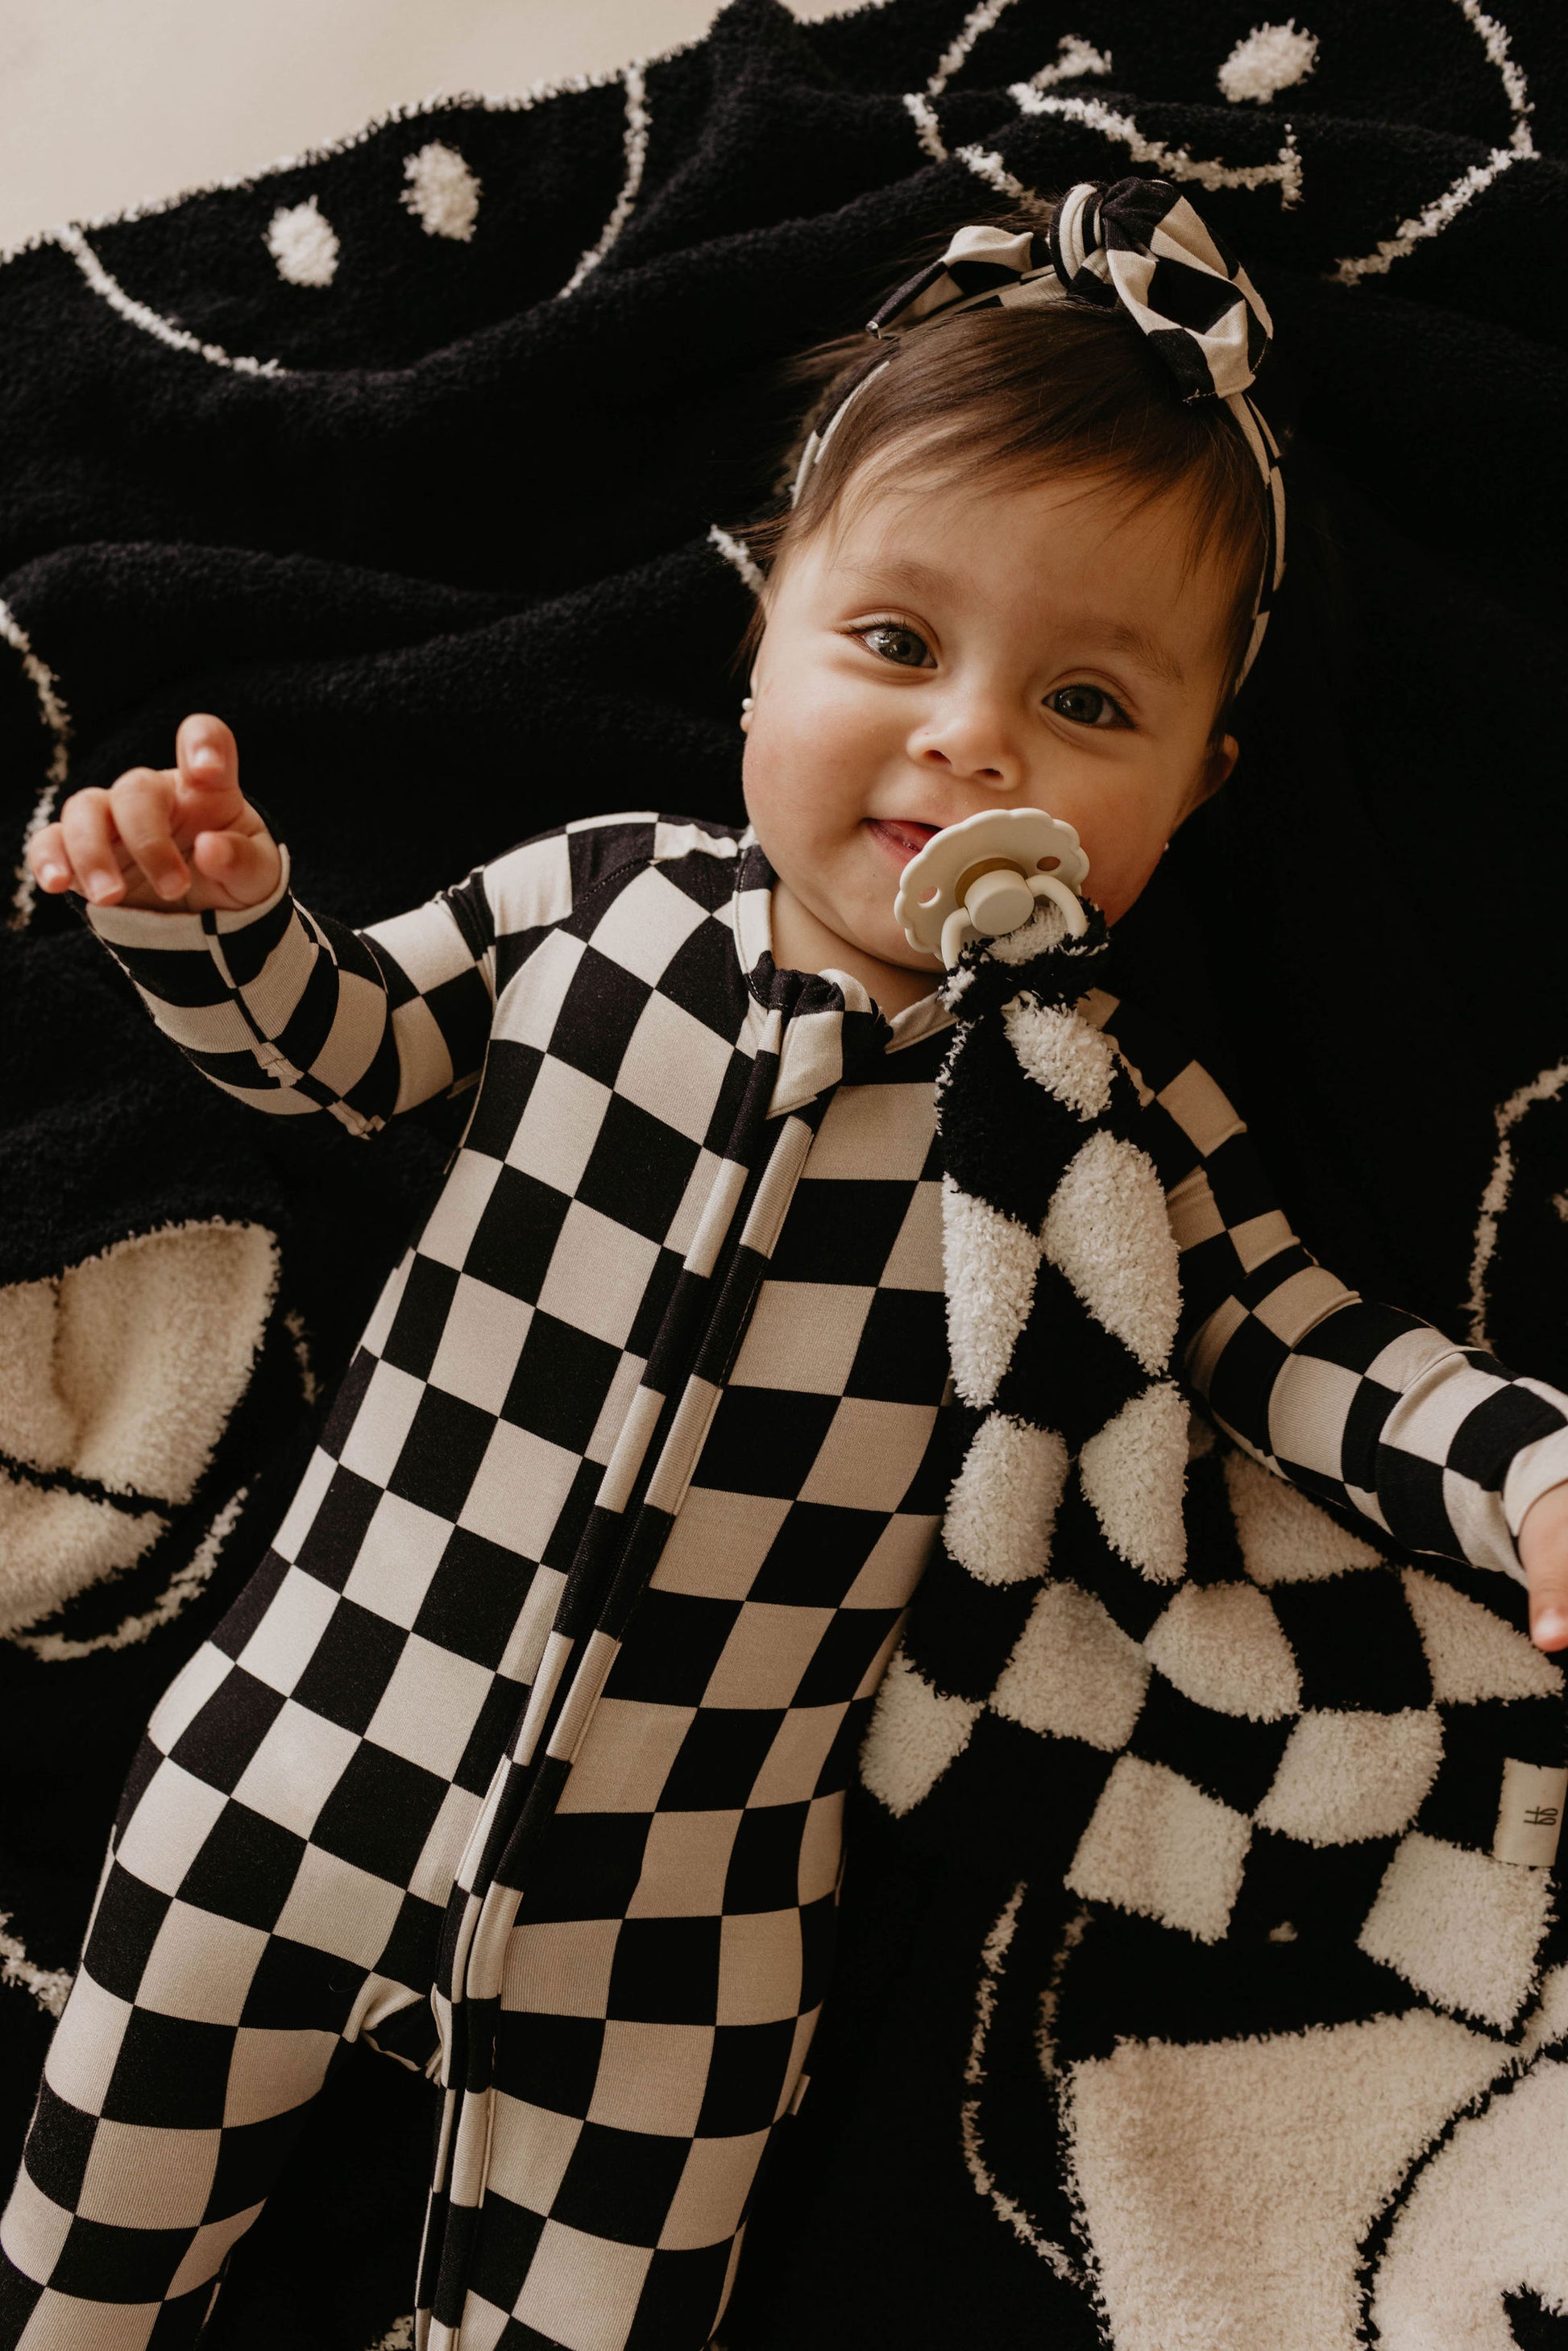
[
  {"x": 1272, "y": 58},
  {"x": 442, "y": 193},
  {"x": 304, "y": 244}
]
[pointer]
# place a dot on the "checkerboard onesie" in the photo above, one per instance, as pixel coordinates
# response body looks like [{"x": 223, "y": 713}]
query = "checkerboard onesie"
[{"x": 524, "y": 1753}]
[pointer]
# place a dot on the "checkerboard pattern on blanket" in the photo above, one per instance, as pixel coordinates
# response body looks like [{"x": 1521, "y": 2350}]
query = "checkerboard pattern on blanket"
[{"x": 1175, "y": 1730}]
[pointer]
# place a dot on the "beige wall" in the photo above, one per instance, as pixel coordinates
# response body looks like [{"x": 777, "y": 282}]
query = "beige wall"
[{"x": 107, "y": 103}]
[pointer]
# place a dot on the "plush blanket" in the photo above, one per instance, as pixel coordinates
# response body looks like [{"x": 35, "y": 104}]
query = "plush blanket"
[{"x": 427, "y": 461}]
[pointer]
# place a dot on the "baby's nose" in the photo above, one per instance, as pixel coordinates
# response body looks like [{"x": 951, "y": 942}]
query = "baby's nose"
[
  {"x": 969, "y": 730},
  {"x": 979, "y": 759}
]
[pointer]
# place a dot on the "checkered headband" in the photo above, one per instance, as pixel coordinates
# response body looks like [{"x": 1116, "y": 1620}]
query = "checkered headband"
[{"x": 1137, "y": 243}]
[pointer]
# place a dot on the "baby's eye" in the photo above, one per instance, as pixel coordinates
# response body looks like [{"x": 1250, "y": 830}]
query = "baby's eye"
[
  {"x": 1086, "y": 705},
  {"x": 894, "y": 643}
]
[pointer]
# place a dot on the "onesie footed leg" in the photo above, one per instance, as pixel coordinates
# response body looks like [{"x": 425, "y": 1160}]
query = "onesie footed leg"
[
  {"x": 32, "y": 2318},
  {"x": 41, "y": 2317},
  {"x": 151, "y": 2151},
  {"x": 188, "y": 2053}
]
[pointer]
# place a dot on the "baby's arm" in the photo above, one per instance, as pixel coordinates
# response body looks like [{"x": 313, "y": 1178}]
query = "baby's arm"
[
  {"x": 286, "y": 1011},
  {"x": 1359, "y": 1404}
]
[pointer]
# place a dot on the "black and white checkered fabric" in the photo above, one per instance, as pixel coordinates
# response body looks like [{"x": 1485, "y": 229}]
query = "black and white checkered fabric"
[
  {"x": 524, "y": 1753},
  {"x": 1140, "y": 243},
  {"x": 1161, "y": 1742}
]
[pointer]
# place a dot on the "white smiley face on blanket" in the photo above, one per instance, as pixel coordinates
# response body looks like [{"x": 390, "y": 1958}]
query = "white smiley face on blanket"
[
  {"x": 1262, "y": 2187},
  {"x": 118, "y": 1378},
  {"x": 1228, "y": 104},
  {"x": 1123, "y": 84}
]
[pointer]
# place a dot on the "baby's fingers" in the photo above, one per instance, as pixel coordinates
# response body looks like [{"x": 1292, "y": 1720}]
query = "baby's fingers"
[
  {"x": 87, "y": 833},
  {"x": 50, "y": 859},
  {"x": 246, "y": 866},
  {"x": 208, "y": 763},
  {"x": 1543, "y": 1554},
  {"x": 141, "y": 807}
]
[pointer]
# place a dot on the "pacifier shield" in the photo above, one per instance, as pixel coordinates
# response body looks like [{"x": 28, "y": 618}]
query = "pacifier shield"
[{"x": 984, "y": 877}]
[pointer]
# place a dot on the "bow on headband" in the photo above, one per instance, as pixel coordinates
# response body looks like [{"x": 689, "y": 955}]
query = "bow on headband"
[{"x": 1139, "y": 244}]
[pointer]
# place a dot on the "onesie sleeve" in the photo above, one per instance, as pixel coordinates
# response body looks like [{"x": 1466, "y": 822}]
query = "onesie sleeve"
[
  {"x": 1360, "y": 1406},
  {"x": 294, "y": 1012}
]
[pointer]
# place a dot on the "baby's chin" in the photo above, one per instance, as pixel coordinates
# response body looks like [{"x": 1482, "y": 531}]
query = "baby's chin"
[{"x": 884, "y": 942}]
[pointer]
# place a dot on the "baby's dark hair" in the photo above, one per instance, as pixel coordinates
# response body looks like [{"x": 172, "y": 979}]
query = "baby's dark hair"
[{"x": 1026, "y": 394}]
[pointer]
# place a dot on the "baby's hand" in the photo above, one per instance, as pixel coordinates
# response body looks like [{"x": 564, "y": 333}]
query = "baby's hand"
[
  {"x": 181, "y": 838},
  {"x": 1544, "y": 1555}
]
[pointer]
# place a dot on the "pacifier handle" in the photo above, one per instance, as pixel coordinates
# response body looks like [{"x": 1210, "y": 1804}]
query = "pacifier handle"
[
  {"x": 967, "y": 922},
  {"x": 981, "y": 879}
]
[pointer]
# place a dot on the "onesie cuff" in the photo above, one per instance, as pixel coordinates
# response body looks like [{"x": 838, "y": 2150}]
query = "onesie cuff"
[
  {"x": 1537, "y": 1468},
  {"x": 177, "y": 926}
]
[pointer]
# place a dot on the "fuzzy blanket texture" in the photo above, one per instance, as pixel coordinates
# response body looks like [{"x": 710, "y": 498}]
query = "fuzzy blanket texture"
[{"x": 426, "y": 462}]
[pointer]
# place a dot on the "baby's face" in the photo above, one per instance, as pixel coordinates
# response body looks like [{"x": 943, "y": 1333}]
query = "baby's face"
[{"x": 929, "y": 656}]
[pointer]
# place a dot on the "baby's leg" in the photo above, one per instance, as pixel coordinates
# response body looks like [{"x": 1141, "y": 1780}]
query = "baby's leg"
[
  {"x": 162, "y": 2116},
  {"x": 257, "y": 1908}
]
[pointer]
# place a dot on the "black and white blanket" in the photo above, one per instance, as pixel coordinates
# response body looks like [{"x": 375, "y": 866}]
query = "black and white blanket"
[{"x": 427, "y": 461}]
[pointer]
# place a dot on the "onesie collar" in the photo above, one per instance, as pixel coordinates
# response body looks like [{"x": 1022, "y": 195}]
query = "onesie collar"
[{"x": 822, "y": 1025}]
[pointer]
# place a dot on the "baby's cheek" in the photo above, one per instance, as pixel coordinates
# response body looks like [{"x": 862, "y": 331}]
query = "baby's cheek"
[
  {"x": 763, "y": 774},
  {"x": 1125, "y": 833},
  {"x": 780, "y": 812},
  {"x": 1118, "y": 873},
  {"x": 791, "y": 784}
]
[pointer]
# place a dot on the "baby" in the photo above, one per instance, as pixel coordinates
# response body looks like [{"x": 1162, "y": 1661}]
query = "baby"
[{"x": 524, "y": 1753}]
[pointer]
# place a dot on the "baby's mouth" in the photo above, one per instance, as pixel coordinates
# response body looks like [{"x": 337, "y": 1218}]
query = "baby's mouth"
[{"x": 903, "y": 835}]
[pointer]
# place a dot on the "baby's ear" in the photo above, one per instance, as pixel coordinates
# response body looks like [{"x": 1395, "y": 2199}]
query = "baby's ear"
[{"x": 1217, "y": 762}]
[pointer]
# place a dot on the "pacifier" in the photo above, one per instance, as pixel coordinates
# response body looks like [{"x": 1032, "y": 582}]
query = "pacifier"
[{"x": 984, "y": 877}]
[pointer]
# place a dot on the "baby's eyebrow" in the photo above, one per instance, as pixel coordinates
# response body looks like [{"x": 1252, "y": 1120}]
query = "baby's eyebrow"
[
  {"x": 1122, "y": 637},
  {"x": 907, "y": 573}
]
